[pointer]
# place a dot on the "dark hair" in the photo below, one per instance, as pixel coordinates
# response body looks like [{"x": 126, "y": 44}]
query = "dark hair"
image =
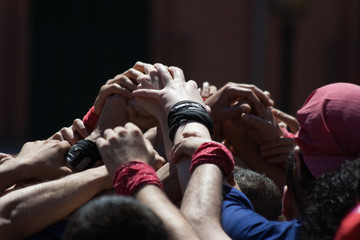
[
  {"x": 263, "y": 193},
  {"x": 115, "y": 217},
  {"x": 333, "y": 195}
]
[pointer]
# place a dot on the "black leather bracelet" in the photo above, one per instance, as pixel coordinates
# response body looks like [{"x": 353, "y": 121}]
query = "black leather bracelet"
[{"x": 188, "y": 111}]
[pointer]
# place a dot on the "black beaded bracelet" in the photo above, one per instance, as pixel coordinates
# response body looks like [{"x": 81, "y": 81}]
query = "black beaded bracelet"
[{"x": 188, "y": 111}]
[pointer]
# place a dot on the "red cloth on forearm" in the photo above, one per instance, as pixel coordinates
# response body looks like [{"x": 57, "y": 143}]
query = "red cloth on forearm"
[
  {"x": 214, "y": 153},
  {"x": 90, "y": 119},
  {"x": 131, "y": 176}
]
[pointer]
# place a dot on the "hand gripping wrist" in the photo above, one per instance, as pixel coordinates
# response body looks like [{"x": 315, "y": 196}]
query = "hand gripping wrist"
[
  {"x": 131, "y": 176},
  {"x": 213, "y": 153}
]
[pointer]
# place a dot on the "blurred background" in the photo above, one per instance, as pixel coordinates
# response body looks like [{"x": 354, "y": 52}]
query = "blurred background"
[{"x": 55, "y": 55}]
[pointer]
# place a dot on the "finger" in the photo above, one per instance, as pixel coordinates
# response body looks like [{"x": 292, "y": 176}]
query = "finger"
[
  {"x": 282, "y": 150},
  {"x": 267, "y": 93},
  {"x": 264, "y": 98},
  {"x": 253, "y": 121},
  {"x": 144, "y": 67},
  {"x": 237, "y": 93},
  {"x": 193, "y": 84},
  {"x": 277, "y": 143},
  {"x": 79, "y": 127},
  {"x": 115, "y": 88},
  {"x": 159, "y": 162},
  {"x": 235, "y": 111},
  {"x": 56, "y": 136},
  {"x": 69, "y": 135},
  {"x": 65, "y": 145},
  {"x": 125, "y": 81},
  {"x": 205, "y": 89},
  {"x": 147, "y": 93},
  {"x": 145, "y": 81},
  {"x": 175, "y": 152},
  {"x": 102, "y": 144},
  {"x": 133, "y": 128},
  {"x": 108, "y": 133},
  {"x": 289, "y": 120},
  {"x": 164, "y": 74},
  {"x": 177, "y": 73},
  {"x": 212, "y": 90}
]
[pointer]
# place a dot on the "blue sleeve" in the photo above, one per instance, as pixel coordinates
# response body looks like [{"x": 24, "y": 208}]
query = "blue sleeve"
[{"x": 240, "y": 221}]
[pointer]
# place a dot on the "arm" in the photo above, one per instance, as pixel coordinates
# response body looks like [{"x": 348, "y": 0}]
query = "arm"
[
  {"x": 49, "y": 202},
  {"x": 203, "y": 195},
  {"x": 202, "y": 202},
  {"x": 117, "y": 150},
  {"x": 40, "y": 159}
]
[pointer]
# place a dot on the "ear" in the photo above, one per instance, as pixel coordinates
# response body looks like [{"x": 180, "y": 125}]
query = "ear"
[{"x": 287, "y": 203}]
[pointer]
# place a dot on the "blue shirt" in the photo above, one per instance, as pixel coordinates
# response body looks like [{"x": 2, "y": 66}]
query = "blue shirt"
[{"x": 240, "y": 221}]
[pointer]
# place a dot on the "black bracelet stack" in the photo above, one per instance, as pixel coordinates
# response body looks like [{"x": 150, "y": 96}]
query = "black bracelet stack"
[{"x": 185, "y": 111}]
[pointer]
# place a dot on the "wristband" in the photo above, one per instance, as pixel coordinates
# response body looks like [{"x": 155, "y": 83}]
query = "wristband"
[
  {"x": 213, "y": 153},
  {"x": 131, "y": 176},
  {"x": 185, "y": 111},
  {"x": 90, "y": 119},
  {"x": 82, "y": 155}
]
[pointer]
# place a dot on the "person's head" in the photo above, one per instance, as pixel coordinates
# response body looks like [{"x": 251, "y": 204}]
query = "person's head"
[
  {"x": 115, "y": 217},
  {"x": 327, "y": 137},
  {"x": 329, "y": 127},
  {"x": 332, "y": 197},
  {"x": 262, "y": 192}
]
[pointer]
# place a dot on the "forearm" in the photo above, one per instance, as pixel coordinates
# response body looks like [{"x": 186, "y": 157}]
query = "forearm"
[
  {"x": 176, "y": 225},
  {"x": 48, "y": 202},
  {"x": 183, "y": 165},
  {"x": 169, "y": 178},
  {"x": 202, "y": 201},
  {"x": 13, "y": 172}
]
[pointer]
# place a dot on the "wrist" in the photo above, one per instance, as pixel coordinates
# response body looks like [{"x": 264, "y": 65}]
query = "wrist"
[
  {"x": 213, "y": 153},
  {"x": 99, "y": 176},
  {"x": 132, "y": 176},
  {"x": 188, "y": 111}
]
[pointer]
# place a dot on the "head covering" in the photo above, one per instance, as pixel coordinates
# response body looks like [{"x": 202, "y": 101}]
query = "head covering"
[
  {"x": 350, "y": 226},
  {"x": 329, "y": 131}
]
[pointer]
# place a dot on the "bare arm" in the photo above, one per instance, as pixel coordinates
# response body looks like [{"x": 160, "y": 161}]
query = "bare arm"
[
  {"x": 202, "y": 202},
  {"x": 40, "y": 159},
  {"x": 175, "y": 223},
  {"x": 48, "y": 202}
]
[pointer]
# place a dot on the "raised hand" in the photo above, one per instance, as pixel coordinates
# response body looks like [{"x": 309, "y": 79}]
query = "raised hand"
[
  {"x": 224, "y": 105},
  {"x": 45, "y": 158},
  {"x": 124, "y": 144},
  {"x": 175, "y": 88}
]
